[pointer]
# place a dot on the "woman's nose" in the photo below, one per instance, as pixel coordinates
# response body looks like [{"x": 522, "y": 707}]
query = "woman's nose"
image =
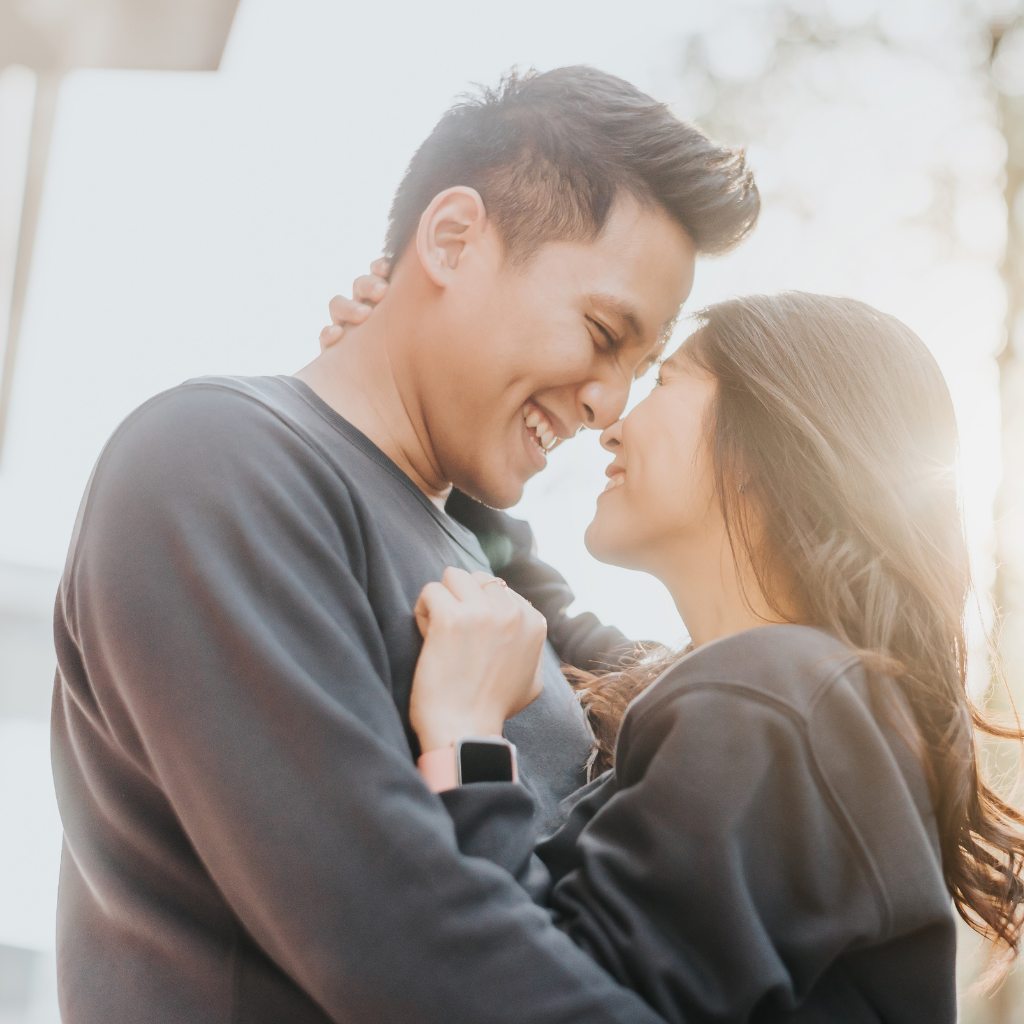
[{"x": 611, "y": 437}]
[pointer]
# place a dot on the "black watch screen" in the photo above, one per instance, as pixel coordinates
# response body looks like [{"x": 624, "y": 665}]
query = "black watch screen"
[{"x": 485, "y": 761}]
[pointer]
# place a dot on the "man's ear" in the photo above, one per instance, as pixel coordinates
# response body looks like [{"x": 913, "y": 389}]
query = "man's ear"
[{"x": 455, "y": 219}]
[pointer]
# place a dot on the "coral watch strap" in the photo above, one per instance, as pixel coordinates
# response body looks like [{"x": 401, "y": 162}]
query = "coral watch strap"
[{"x": 439, "y": 769}]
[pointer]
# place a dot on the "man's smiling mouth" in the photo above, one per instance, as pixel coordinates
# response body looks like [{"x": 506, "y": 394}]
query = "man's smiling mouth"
[{"x": 539, "y": 428}]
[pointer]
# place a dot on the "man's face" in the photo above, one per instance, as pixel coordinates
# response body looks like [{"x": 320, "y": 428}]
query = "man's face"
[{"x": 523, "y": 355}]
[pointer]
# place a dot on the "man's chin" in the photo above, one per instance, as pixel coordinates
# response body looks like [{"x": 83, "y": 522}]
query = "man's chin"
[{"x": 500, "y": 494}]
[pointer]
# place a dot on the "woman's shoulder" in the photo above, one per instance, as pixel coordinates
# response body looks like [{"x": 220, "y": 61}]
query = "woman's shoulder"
[
  {"x": 781, "y": 681},
  {"x": 790, "y": 710},
  {"x": 786, "y": 665}
]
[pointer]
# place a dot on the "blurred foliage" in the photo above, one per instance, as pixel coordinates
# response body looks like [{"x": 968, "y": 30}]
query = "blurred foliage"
[
  {"x": 804, "y": 54},
  {"x": 749, "y": 76}
]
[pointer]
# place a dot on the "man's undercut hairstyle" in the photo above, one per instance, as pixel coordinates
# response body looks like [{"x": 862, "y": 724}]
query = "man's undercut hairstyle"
[{"x": 550, "y": 153}]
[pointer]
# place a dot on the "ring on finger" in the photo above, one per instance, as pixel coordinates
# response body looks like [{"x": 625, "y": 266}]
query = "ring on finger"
[{"x": 498, "y": 580}]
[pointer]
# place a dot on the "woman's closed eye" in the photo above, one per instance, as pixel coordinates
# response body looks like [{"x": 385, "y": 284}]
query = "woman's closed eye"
[{"x": 653, "y": 360}]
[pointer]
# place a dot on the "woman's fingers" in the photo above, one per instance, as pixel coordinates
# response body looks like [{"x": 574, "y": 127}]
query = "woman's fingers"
[
  {"x": 473, "y": 588},
  {"x": 487, "y": 598},
  {"x": 492, "y": 586},
  {"x": 465, "y": 586},
  {"x": 502, "y": 607},
  {"x": 480, "y": 659},
  {"x": 346, "y": 311},
  {"x": 369, "y": 289},
  {"x": 331, "y": 335},
  {"x": 435, "y": 602}
]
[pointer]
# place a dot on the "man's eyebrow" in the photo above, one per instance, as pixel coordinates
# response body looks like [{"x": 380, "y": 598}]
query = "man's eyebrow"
[{"x": 624, "y": 310}]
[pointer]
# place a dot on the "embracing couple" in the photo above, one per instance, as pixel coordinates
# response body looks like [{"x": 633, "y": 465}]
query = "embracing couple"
[{"x": 315, "y": 744}]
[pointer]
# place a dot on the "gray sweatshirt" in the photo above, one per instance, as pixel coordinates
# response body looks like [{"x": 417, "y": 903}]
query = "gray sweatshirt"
[
  {"x": 247, "y": 838},
  {"x": 764, "y": 850}
]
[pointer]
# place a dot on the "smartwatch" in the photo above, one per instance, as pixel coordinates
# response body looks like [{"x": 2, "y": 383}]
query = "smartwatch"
[
  {"x": 473, "y": 759},
  {"x": 486, "y": 759}
]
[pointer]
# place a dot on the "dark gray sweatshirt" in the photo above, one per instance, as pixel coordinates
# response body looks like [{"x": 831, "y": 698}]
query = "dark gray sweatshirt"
[
  {"x": 764, "y": 849},
  {"x": 247, "y": 838}
]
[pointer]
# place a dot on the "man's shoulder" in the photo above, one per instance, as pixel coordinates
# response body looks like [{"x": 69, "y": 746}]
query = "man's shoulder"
[
  {"x": 223, "y": 441},
  {"x": 247, "y": 420},
  {"x": 228, "y": 403},
  {"x": 214, "y": 464},
  {"x": 280, "y": 394}
]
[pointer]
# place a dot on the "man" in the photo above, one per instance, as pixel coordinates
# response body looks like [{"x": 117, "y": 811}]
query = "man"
[{"x": 246, "y": 835}]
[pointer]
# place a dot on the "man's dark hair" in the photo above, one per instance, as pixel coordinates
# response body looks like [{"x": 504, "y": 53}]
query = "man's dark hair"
[{"x": 549, "y": 153}]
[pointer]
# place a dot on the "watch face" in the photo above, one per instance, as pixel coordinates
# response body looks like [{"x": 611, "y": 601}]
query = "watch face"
[{"x": 484, "y": 761}]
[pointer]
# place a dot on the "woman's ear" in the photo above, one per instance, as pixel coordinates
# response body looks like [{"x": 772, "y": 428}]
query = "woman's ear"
[{"x": 454, "y": 220}]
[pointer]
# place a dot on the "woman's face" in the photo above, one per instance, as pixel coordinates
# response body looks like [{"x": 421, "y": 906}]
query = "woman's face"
[{"x": 660, "y": 499}]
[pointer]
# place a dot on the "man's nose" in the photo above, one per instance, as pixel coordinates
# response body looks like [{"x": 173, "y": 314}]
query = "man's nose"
[{"x": 602, "y": 402}]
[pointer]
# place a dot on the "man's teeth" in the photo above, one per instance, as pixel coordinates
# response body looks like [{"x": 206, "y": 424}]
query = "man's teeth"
[{"x": 545, "y": 435}]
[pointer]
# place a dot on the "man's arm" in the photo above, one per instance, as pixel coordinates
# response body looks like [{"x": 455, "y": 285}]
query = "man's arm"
[{"x": 218, "y": 601}]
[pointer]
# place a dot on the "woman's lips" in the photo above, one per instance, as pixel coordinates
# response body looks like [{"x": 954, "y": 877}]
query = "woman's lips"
[{"x": 615, "y": 481}]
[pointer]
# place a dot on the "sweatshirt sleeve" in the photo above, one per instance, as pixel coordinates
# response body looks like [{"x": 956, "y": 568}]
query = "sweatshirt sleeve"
[
  {"x": 220, "y": 608},
  {"x": 580, "y": 640},
  {"x": 719, "y": 879},
  {"x": 495, "y": 821}
]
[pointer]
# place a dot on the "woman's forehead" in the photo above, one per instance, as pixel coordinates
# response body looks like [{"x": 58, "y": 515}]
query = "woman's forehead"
[{"x": 679, "y": 360}]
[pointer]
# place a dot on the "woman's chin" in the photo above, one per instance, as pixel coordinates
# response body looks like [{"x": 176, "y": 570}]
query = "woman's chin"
[{"x": 604, "y": 542}]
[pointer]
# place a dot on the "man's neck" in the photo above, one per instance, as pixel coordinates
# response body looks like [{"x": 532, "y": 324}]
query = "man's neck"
[{"x": 357, "y": 378}]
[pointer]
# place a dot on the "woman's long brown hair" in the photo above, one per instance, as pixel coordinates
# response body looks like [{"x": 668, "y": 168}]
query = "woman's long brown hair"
[{"x": 838, "y": 421}]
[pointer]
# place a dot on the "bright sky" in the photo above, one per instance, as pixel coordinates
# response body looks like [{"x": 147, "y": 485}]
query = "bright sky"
[{"x": 198, "y": 223}]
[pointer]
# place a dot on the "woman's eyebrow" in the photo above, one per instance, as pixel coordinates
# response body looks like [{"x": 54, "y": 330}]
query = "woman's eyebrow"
[{"x": 673, "y": 361}]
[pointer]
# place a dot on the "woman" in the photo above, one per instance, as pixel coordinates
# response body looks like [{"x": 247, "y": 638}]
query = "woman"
[{"x": 795, "y": 803}]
